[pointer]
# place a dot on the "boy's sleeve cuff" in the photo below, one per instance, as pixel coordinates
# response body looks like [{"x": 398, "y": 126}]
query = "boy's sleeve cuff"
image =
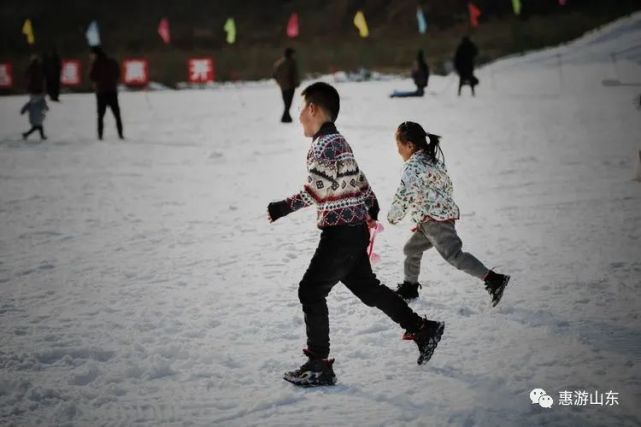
[{"x": 278, "y": 209}]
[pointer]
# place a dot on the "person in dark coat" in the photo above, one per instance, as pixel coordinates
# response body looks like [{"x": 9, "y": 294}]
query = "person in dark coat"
[
  {"x": 35, "y": 77},
  {"x": 285, "y": 72},
  {"x": 105, "y": 74},
  {"x": 464, "y": 64},
  {"x": 420, "y": 75},
  {"x": 52, "y": 66}
]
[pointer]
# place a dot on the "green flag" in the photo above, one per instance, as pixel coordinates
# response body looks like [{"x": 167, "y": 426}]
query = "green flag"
[
  {"x": 516, "y": 4},
  {"x": 230, "y": 29}
]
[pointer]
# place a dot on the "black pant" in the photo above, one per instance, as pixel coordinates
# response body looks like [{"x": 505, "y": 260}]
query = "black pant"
[
  {"x": 34, "y": 128},
  {"x": 288, "y": 96},
  {"x": 342, "y": 256},
  {"x": 108, "y": 99},
  {"x": 467, "y": 79}
]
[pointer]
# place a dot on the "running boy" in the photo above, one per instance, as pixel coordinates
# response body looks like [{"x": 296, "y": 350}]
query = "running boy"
[
  {"x": 346, "y": 205},
  {"x": 426, "y": 194}
]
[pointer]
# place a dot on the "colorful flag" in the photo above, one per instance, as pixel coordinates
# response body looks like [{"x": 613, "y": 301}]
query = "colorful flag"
[
  {"x": 516, "y": 5},
  {"x": 230, "y": 29},
  {"x": 475, "y": 12},
  {"x": 361, "y": 24},
  {"x": 27, "y": 30},
  {"x": 163, "y": 30},
  {"x": 422, "y": 23},
  {"x": 292, "y": 26},
  {"x": 92, "y": 34}
]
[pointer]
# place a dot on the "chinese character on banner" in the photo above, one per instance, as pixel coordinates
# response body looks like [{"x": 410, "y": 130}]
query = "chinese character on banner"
[
  {"x": 201, "y": 70},
  {"x": 135, "y": 71},
  {"x": 70, "y": 72},
  {"x": 6, "y": 76}
]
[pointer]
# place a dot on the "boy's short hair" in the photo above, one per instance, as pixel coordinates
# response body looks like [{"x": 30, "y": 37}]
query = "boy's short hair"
[{"x": 325, "y": 96}]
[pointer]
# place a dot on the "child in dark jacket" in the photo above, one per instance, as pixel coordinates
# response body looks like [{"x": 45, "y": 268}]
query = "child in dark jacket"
[
  {"x": 346, "y": 205},
  {"x": 37, "y": 108},
  {"x": 426, "y": 194}
]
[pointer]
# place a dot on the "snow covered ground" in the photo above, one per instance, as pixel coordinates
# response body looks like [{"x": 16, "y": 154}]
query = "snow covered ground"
[{"x": 140, "y": 283}]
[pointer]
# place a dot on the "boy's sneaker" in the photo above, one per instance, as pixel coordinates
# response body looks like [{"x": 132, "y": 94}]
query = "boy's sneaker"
[
  {"x": 407, "y": 290},
  {"x": 426, "y": 338},
  {"x": 495, "y": 285},
  {"x": 316, "y": 372}
]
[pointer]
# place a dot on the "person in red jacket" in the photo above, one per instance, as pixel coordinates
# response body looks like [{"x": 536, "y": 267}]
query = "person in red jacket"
[{"x": 105, "y": 74}]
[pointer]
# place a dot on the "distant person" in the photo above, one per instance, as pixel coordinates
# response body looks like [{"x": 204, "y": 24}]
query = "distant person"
[
  {"x": 105, "y": 74},
  {"x": 426, "y": 195},
  {"x": 37, "y": 108},
  {"x": 285, "y": 72},
  {"x": 52, "y": 66},
  {"x": 35, "y": 76},
  {"x": 37, "y": 105},
  {"x": 420, "y": 75},
  {"x": 464, "y": 64},
  {"x": 346, "y": 206}
]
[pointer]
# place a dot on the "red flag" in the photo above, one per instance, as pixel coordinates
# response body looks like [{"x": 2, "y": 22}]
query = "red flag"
[
  {"x": 163, "y": 30},
  {"x": 562, "y": 2},
  {"x": 475, "y": 12},
  {"x": 292, "y": 26}
]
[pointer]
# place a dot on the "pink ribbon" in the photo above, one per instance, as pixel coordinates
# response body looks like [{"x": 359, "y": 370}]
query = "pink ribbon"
[{"x": 373, "y": 257}]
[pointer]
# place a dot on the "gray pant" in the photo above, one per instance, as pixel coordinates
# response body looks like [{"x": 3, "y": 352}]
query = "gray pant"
[{"x": 443, "y": 237}]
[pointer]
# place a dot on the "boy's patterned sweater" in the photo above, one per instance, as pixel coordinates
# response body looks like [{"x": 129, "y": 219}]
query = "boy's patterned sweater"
[
  {"x": 334, "y": 183},
  {"x": 425, "y": 192}
]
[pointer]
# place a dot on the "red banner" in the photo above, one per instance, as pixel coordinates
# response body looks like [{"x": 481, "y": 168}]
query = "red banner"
[
  {"x": 70, "y": 72},
  {"x": 6, "y": 76},
  {"x": 135, "y": 71},
  {"x": 200, "y": 70}
]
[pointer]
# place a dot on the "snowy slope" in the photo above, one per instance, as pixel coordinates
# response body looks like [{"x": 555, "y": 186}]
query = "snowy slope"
[{"x": 141, "y": 284}]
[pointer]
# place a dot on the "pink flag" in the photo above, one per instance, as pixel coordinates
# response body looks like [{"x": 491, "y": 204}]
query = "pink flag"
[
  {"x": 163, "y": 30},
  {"x": 475, "y": 12},
  {"x": 292, "y": 26}
]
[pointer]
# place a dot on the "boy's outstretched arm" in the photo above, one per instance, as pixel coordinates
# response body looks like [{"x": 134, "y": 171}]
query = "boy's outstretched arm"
[
  {"x": 285, "y": 207},
  {"x": 313, "y": 191}
]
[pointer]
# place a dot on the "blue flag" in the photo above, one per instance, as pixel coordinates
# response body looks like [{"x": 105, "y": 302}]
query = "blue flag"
[
  {"x": 422, "y": 23},
  {"x": 92, "y": 34}
]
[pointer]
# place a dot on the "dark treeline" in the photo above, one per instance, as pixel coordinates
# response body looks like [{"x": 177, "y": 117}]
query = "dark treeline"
[
  {"x": 328, "y": 40},
  {"x": 197, "y": 24}
]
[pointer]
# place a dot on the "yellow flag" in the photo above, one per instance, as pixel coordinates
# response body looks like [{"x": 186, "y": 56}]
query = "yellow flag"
[
  {"x": 361, "y": 24},
  {"x": 230, "y": 28},
  {"x": 27, "y": 30}
]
